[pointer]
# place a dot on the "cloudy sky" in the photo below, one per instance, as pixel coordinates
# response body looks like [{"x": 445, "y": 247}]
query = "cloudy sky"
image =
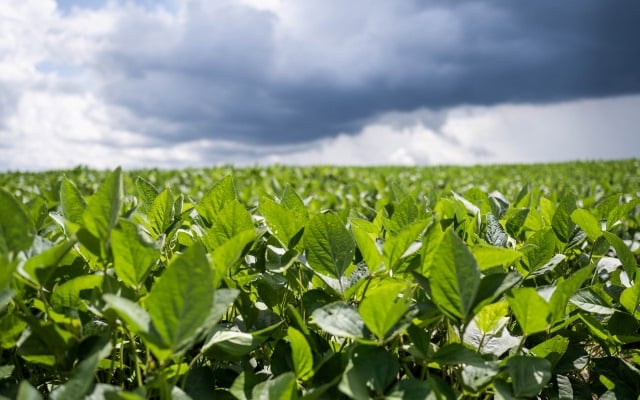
[{"x": 176, "y": 83}]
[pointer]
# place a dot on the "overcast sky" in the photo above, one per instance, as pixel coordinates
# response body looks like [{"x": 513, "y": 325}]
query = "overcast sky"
[{"x": 177, "y": 83}]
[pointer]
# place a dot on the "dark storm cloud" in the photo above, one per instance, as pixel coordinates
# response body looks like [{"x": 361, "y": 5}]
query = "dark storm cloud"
[{"x": 226, "y": 70}]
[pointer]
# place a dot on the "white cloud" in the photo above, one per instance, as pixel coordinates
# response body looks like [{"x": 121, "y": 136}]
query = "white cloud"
[
  {"x": 577, "y": 130},
  {"x": 122, "y": 85}
]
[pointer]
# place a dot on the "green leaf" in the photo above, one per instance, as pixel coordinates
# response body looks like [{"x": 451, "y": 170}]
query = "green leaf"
[
  {"x": 490, "y": 256},
  {"x": 243, "y": 385},
  {"x": 562, "y": 224},
  {"x": 329, "y": 245},
  {"x": 28, "y": 392},
  {"x": 339, "y": 319},
  {"x": 409, "y": 389},
  {"x": 160, "y": 213},
  {"x": 215, "y": 199},
  {"x": 530, "y": 309},
  {"x": 625, "y": 255},
  {"x": 630, "y": 298},
  {"x": 384, "y": 306},
  {"x": 11, "y": 327},
  {"x": 493, "y": 286},
  {"x": 134, "y": 317},
  {"x": 133, "y": 254},
  {"x": 405, "y": 212},
  {"x": 148, "y": 193},
  {"x": 103, "y": 208},
  {"x": 539, "y": 249},
  {"x": 397, "y": 245},
  {"x": 283, "y": 387},
  {"x": 180, "y": 300},
  {"x": 16, "y": 228},
  {"x": 552, "y": 349},
  {"x": 455, "y": 277},
  {"x": 283, "y": 223},
  {"x": 370, "y": 369},
  {"x": 457, "y": 353},
  {"x": 516, "y": 221},
  {"x": 83, "y": 376},
  {"x": 495, "y": 236},
  {"x": 39, "y": 269},
  {"x": 489, "y": 316},
  {"x": 226, "y": 344},
  {"x": 301, "y": 354},
  {"x": 75, "y": 292},
  {"x": 587, "y": 222},
  {"x": 588, "y": 300},
  {"x": 226, "y": 255},
  {"x": 365, "y": 234},
  {"x": 228, "y": 222},
  {"x": 71, "y": 202},
  {"x": 529, "y": 375},
  {"x": 565, "y": 288}
]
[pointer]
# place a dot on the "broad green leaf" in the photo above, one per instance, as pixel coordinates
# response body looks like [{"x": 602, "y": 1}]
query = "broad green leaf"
[
  {"x": 148, "y": 193},
  {"x": 565, "y": 288},
  {"x": 495, "y": 236},
  {"x": 530, "y": 309},
  {"x": 621, "y": 211},
  {"x": 490, "y": 315},
  {"x": 39, "y": 269},
  {"x": 133, "y": 254},
  {"x": 180, "y": 300},
  {"x": 160, "y": 213},
  {"x": 283, "y": 223},
  {"x": 397, "y": 245},
  {"x": 222, "y": 300},
  {"x": 430, "y": 245},
  {"x": 587, "y": 222},
  {"x": 71, "y": 202},
  {"x": 409, "y": 389},
  {"x": 11, "y": 327},
  {"x": 83, "y": 376},
  {"x": 552, "y": 349},
  {"x": 283, "y": 387},
  {"x": 16, "y": 228},
  {"x": 301, "y": 354},
  {"x": 369, "y": 368},
  {"x": 624, "y": 254},
  {"x": 230, "y": 252},
  {"x": 103, "y": 208},
  {"x": 243, "y": 385},
  {"x": 457, "y": 353},
  {"x": 491, "y": 256},
  {"x": 383, "y": 306},
  {"x": 365, "y": 235},
  {"x": 228, "y": 222},
  {"x": 562, "y": 224},
  {"x": 215, "y": 199},
  {"x": 294, "y": 203},
  {"x": 588, "y": 300},
  {"x": 329, "y": 245},
  {"x": 516, "y": 221},
  {"x": 339, "y": 319},
  {"x": 405, "y": 213},
  {"x": 74, "y": 292},
  {"x": 539, "y": 249},
  {"x": 28, "y": 392},
  {"x": 134, "y": 317},
  {"x": 630, "y": 298},
  {"x": 226, "y": 344},
  {"x": 529, "y": 375},
  {"x": 455, "y": 277}
]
